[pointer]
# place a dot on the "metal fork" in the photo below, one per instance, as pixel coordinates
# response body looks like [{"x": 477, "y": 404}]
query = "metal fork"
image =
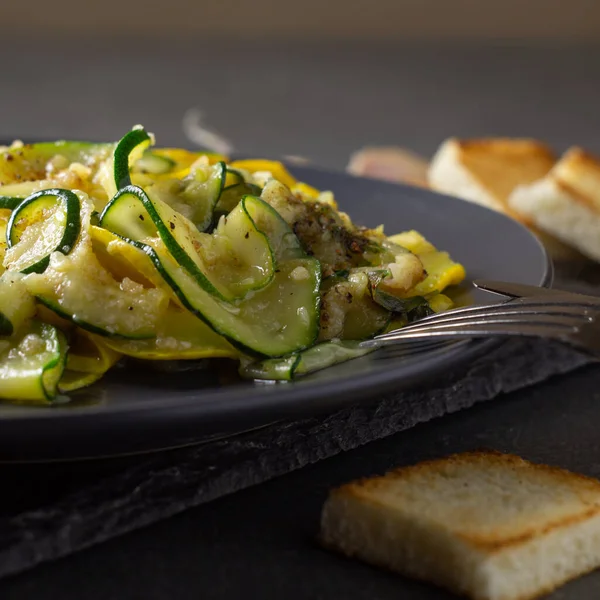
[{"x": 529, "y": 311}]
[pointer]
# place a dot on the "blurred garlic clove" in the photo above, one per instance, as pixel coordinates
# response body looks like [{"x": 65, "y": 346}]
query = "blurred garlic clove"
[{"x": 390, "y": 164}]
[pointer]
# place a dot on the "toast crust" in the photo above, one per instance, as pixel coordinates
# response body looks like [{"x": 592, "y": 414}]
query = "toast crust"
[
  {"x": 578, "y": 174},
  {"x": 575, "y": 194}
]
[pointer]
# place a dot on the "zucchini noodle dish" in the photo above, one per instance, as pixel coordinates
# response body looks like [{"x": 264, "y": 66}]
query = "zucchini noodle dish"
[{"x": 127, "y": 250}]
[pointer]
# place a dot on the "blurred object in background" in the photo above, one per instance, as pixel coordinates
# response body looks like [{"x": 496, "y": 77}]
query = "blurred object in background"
[
  {"x": 390, "y": 164},
  {"x": 195, "y": 130}
]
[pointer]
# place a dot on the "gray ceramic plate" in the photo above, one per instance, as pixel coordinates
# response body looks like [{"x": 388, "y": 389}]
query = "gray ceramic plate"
[{"x": 143, "y": 410}]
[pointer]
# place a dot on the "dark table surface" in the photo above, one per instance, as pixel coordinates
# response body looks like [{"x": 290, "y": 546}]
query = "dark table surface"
[
  {"x": 260, "y": 543},
  {"x": 320, "y": 102}
]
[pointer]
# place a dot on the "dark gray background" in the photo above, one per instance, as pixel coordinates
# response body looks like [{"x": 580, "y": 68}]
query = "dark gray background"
[
  {"x": 322, "y": 102},
  {"x": 315, "y": 100}
]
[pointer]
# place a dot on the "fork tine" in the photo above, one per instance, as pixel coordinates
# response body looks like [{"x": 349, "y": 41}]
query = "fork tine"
[
  {"x": 573, "y": 321},
  {"x": 474, "y": 329},
  {"x": 404, "y": 347},
  {"x": 507, "y": 308},
  {"x": 570, "y": 321},
  {"x": 557, "y": 326}
]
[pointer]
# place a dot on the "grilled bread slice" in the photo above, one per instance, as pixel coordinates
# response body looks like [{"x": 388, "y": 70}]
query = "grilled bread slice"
[
  {"x": 566, "y": 202},
  {"x": 486, "y": 525}
]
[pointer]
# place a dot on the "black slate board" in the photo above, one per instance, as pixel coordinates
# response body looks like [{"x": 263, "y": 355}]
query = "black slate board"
[{"x": 50, "y": 511}]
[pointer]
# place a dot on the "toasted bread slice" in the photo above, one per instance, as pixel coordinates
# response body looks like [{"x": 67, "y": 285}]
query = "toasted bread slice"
[
  {"x": 566, "y": 203},
  {"x": 486, "y": 525},
  {"x": 487, "y": 170}
]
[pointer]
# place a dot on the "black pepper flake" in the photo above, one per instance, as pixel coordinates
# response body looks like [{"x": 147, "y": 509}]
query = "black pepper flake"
[
  {"x": 171, "y": 225},
  {"x": 277, "y": 270},
  {"x": 9, "y": 157},
  {"x": 131, "y": 308},
  {"x": 247, "y": 234},
  {"x": 141, "y": 217}
]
